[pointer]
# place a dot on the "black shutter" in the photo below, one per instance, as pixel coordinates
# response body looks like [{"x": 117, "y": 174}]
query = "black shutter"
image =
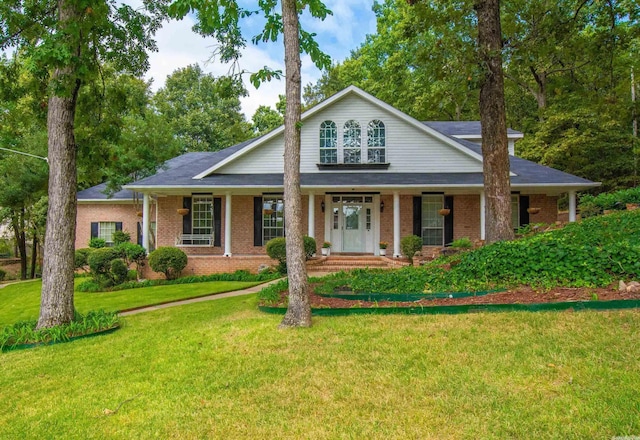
[
  {"x": 417, "y": 216},
  {"x": 94, "y": 229},
  {"x": 257, "y": 221},
  {"x": 524, "y": 214},
  {"x": 448, "y": 221},
  {"x": 139, "y": 233},
  {"x": 186, "y": 219},
  {"x": 217, "y": 221},
  {"x": 118, "y": 226}
]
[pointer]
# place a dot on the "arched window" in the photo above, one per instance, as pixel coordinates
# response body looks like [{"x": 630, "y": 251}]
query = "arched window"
[
  {"x": 376, "y": 142},
  {"x": 352, "y": 137},
  {"x": 328, "y": 142}
]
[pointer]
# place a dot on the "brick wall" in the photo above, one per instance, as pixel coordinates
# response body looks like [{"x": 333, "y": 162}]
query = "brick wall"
[
  {"x": 208, "y": 264},
  {"x": 548, "y": 208},
  {"x": 102, "y": 212}
]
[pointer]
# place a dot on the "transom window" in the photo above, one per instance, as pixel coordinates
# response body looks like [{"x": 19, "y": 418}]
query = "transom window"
[
  {"x": 272, "y": 218},
  {"x": 432, "y": 221},
  {"x": 106, "y": 230},
  {"x": 376, "y": 142},
  {"x": 328, "y": 142},
  {"x": 352, "y": 141},
  {"x": 202, "y": 215}
]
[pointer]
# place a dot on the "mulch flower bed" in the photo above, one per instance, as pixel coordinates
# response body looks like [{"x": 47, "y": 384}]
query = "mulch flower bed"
[{"x": 521, "y": 295}]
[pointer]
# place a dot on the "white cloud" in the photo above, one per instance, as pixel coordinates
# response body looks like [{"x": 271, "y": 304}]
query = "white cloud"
[{"x": 179, "y": 46}]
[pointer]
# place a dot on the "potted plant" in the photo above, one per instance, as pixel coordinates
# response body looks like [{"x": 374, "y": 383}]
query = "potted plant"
[
  {"x": 326, "y": 248},
  {"x": 383, "y": 248},
  {"x": 444, "y": 211},
  {"x": 183, "y": 211}
]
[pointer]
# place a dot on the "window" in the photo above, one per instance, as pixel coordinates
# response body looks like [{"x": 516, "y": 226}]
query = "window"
[
  {"x": 515, "y": 211},
  {"x": 432, "y": 222},
  {"x": 202, "y": 216},
  {"x": 106, "y": 230},
  {"x": 272, "y": 218},
  {"x": 328, "y": 142},
  {"x": 376, "y": 142},
  {"x": 352, "y": 141}
]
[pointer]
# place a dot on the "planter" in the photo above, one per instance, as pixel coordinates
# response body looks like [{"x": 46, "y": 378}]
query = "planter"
[
  {"x": 533, "y": 210},
  {"x": 383, "y": 252},
  {"x": 632, "y": 206},
  {"x": 326, "y": 252},
  {"x": 444, "y": 211},
  {"x": 267, "y": 211},
  {"x": 139, "y": 213},
  {"x": 183, "y": 211}
]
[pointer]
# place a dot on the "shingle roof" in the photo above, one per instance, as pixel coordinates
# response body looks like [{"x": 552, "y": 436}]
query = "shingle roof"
[{"x": 462, "y": 128}]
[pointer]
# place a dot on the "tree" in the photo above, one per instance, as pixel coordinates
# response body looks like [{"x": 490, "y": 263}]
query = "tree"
[
  {"x": 266, "y": 119},
  {"x": 204, "y": 111},
  {"x": 221, "y": 20},
  {"x": 68, "y": 39},
  {"x": 493, "y": 119}
]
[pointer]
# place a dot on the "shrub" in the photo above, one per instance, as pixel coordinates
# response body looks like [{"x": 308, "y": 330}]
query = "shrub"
[
  {"x": 464, "y": 242},
  {"x": 120, "y": 237},
  {"x": 97, "y": 243},
  {"x": 409, "y": 245},
  {"x": 617, "y": 200},
  {"x": 2, "y": 274},
  {"x": 277, "y": 249},
  {"x": 81, "y": 258},
  {"x": 100, "y": 260},
  {"x": 119, "y": 271},
  {"x": 168, "y": 260},
  {"x": 132, "y": 275},
  {"x": 131, "y": 253}
]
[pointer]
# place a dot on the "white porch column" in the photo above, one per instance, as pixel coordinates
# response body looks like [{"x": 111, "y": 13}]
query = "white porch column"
[
  {"x": 396, "y": 224},
  {"x": 145, "y": 221},
  {"x": 312, "y": 215},
  {"x": 572, "y": 206},
  {"x": 227, "y": 225},
  {"x": 483, "y": 216}
]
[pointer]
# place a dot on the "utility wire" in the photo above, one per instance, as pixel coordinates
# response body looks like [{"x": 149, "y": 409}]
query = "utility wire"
[{"x": 46, "y": 159}]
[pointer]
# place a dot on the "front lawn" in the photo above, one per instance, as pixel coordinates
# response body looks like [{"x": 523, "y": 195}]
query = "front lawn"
[
  {"x": 21, "y": 301},
  {"x": 222, "y": 369}
]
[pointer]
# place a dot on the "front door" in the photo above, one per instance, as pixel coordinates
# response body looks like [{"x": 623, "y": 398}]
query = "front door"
[{"x": 352, "y": 223}]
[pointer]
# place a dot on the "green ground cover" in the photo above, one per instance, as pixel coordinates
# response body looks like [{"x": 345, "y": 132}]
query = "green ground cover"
[
  {"x": 21, "y": 301},
  {"x": 221, "y": 369}
]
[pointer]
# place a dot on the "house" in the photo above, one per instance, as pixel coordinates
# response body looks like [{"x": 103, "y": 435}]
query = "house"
[{"x": 369, "y": 173}]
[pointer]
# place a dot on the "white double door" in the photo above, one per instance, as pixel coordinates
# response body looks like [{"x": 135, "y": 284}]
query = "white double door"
[{"x": 353, "y": 222}]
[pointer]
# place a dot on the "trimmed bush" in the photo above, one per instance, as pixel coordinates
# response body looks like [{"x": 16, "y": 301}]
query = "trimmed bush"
[
  {"x": 119, "y": 271},
  {"x": 97, "y": 243},
  {"x": 168, "y": 260},
  {"x": 464, "y": 242},
  {"x": 277, "y": 249},
  {"x": 120, "y": 237},
  {"x": 617, "y": 200},
  {"x": 409, "y": 245},
  {"x": 100, "y": 260},
  {"x": 81, "y": 258},
  {"x": 131, "y": 253}
]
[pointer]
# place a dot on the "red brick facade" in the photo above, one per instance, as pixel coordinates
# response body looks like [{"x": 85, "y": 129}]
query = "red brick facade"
[{"x": 203, "y": 260}]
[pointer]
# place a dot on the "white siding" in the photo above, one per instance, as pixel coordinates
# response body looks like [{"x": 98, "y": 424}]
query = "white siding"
[{"x": 408, "y": 149}]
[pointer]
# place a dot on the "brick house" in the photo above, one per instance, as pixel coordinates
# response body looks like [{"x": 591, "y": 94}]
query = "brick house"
[{"x": 369, "y": 173}]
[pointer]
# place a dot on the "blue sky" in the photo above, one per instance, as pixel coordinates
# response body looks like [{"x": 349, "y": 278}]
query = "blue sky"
[{"x": 340, "y": 33}]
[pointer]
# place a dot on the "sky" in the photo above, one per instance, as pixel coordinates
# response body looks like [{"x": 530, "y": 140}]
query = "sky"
[{"x": 337, "y": 36}]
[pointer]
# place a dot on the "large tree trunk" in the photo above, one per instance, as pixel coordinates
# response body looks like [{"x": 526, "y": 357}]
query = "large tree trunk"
[
  {"x": 299, "y": 310},
  {"x": 56, "y": 306},
  {"x": 495, "y": 148}
]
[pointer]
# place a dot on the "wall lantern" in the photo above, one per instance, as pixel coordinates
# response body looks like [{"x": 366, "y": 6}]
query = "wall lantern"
[
  {"x": 322, "y": 205},
  {"x": 382, "y": 206}
]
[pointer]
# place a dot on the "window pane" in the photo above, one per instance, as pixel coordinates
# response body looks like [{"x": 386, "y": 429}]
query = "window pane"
[
  {"x": 272, "y": 218},
  {"x": 328, "y": 142},
  {"x": 432, "y": 222},
  {"x": 106, "y": 230},
  {"x": 202, "y": 215},
  {"x": 376, "y": 142},
  {"x": 352, "y": 139}
]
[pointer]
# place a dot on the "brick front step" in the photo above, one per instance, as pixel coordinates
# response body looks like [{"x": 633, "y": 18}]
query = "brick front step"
[{"x": 336, "y": 263}]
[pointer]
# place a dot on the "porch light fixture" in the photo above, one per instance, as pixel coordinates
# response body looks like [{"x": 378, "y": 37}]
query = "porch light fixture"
[
  {"x": 382, "y": 206},
  {"x": 322, "y": 205}
]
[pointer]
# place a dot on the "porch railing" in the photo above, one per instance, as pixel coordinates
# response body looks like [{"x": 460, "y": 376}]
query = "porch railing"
[{"x": 194, "y": 240}]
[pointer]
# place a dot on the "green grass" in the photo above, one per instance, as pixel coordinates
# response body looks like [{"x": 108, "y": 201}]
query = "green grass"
[
  {"x": 221, "y": 369},
  {"x": 21, "y": 301}
]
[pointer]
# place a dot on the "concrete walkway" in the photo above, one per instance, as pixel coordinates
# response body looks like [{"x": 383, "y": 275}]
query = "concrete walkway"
[{"x": 247, "y": 291}]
